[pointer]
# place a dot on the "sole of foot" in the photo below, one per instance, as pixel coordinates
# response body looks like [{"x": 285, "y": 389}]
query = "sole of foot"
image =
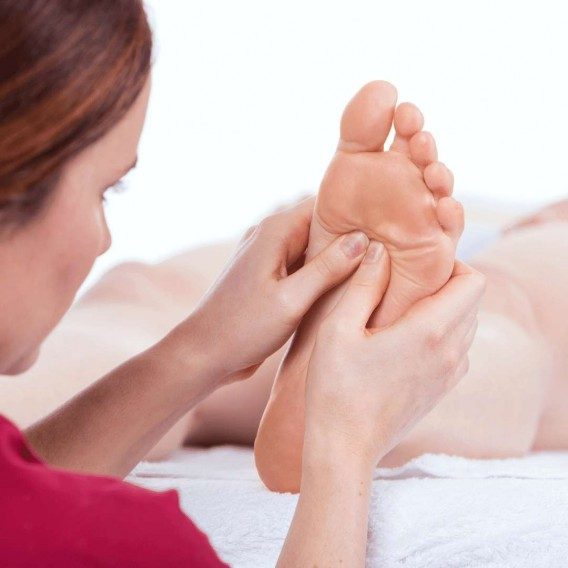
[{"x": 401, "y": 197}]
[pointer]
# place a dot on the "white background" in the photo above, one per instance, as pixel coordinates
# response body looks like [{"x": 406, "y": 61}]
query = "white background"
[{"x": 247, "y": 96}]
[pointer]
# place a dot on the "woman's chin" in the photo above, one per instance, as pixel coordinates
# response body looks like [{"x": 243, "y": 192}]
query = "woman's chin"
[{"x": 23, "y": 364}]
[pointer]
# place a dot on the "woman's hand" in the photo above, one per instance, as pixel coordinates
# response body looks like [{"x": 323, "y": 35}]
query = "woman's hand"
[
  {"x": 260, "y": 298},
  {"x": 366, "y": 388}
]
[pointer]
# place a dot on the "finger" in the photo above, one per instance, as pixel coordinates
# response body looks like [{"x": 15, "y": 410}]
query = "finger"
[
  {"x": 329, "y": 268},
  {"x": 247, "y": 235},
  {"x": 461, "y": 332},
  {"x": 286, "y": 233},
  {"x": 299, "y": 217},
  {"x": 470, "y": 335},
  {"x": 449, "y": 307},
  {"x": 460, "y": 373},
  {"x": 366, "y": 289}
]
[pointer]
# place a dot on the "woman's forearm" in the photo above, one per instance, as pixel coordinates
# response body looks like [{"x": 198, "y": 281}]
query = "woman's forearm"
[
  {"x": 110, "y": 427},
  {"x": 330, "y": 523}
]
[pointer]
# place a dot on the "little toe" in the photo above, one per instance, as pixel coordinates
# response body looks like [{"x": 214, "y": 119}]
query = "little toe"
[
  {"x": 408, "y": 120},
  {"x": 451, "y": 217},
  {"x": 423, "y": 149},
  {"x": 367, "y": 119},
  {"x": 439, "y": 179}
]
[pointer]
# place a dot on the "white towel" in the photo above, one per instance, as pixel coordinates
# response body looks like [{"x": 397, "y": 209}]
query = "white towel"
[{"x": 435, "y": 512}]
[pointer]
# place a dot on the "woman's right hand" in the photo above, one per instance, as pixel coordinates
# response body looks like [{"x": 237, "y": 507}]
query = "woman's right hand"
[{"x": 367, "y": 388}]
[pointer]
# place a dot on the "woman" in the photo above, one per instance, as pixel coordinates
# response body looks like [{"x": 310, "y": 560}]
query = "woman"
[{"x": 74, "y": 85}]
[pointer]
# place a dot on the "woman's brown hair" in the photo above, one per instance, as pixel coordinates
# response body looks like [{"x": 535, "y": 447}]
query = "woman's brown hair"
[{"x": 69, "y": 71}]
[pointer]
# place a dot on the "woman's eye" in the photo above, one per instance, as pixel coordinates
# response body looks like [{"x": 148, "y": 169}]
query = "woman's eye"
[{"x": 118, "y": 187}]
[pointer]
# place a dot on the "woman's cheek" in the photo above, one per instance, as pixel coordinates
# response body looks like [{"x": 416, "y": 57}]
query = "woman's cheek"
[{"x": 83, "y": 248}]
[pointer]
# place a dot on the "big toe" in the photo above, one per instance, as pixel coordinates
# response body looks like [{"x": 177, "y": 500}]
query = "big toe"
[{"x": 367, "y": 119}]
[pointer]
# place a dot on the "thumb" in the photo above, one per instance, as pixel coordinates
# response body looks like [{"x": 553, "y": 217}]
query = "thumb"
[
  {"x": 328, "y": 269},
  {"x": 366, "y": 289}
]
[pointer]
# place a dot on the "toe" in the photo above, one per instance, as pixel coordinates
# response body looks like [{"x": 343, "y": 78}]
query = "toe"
[
  {"x": 367, "y": 119},
  {"x": 439, "y": 179},
  {"x": 423, "y": 149},
  {"x": 408, "y": 120},
  {"x": 451, "y": 217}
]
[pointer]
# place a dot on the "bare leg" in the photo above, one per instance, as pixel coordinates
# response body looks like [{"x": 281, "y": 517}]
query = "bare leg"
[{"x": 515, "y": 397}]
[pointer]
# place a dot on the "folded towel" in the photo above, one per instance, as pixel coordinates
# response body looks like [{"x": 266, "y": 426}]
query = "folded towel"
[{"x": 437, "y": 511}]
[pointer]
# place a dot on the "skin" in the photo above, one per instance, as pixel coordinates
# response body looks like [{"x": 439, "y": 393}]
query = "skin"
[
  {"x": 400, "y": 197},
  {"x": 556, "y": 212},
  {"x": 354, "y": 415},
  {"x": 40, "y": 282},
  {"x": 110, "y": 426}
]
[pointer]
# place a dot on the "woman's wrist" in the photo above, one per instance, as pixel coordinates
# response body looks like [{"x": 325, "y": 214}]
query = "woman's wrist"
[
  {"x": 331, "y": 518},
  {"x": 335, "y": 454},
  {"x": 190, "y": 359}
]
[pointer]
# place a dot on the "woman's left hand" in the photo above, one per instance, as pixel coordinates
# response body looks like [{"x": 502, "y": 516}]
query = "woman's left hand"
[{"x": 263, "y": 293}]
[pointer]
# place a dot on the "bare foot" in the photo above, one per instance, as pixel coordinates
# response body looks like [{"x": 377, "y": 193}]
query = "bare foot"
[{"x": 400, "y": 197}]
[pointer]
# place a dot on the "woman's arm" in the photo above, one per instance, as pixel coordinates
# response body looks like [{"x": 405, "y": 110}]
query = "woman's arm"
[
  {"x": 247, "y": 315},
  {"x": 365, "y": 390},
  {"x": 109, "y": 427},
  {"x": 131, "y": 308},
  {"x": 330, "y": 523}
]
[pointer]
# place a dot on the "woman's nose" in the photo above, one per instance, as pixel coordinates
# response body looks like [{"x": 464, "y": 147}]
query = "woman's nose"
[{"x": 106, "y": 240}]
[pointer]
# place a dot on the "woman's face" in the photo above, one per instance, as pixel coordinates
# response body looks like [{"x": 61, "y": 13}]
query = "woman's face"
[{"x": 43, "y": 263}]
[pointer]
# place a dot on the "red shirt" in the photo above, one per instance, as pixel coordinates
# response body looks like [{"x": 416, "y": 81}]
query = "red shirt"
[{"x": 57, "y": 518}]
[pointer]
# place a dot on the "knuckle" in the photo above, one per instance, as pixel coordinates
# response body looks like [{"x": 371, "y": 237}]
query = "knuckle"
[
  {"x": 364, "y": 282},
  {"x": 323, "y": 265},
  {"x": 450, "y": 362},
  {"x": 465, "y": 367},
  {"x": 459, "y": 373},
  {"x": 249, "y": 232},
  {"x": 273, "y": 222},
  {"x": 267, "y": 223},
  {"x": 479, "y": 281},
  {"x": 286, "y": 302},
  {"x": 434, "y": 338}
]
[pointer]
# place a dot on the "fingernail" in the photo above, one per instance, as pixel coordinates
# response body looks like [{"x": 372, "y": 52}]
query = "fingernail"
[
  {"x": 374, "y": 252},
  {"x": 354, "y": 244}
]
